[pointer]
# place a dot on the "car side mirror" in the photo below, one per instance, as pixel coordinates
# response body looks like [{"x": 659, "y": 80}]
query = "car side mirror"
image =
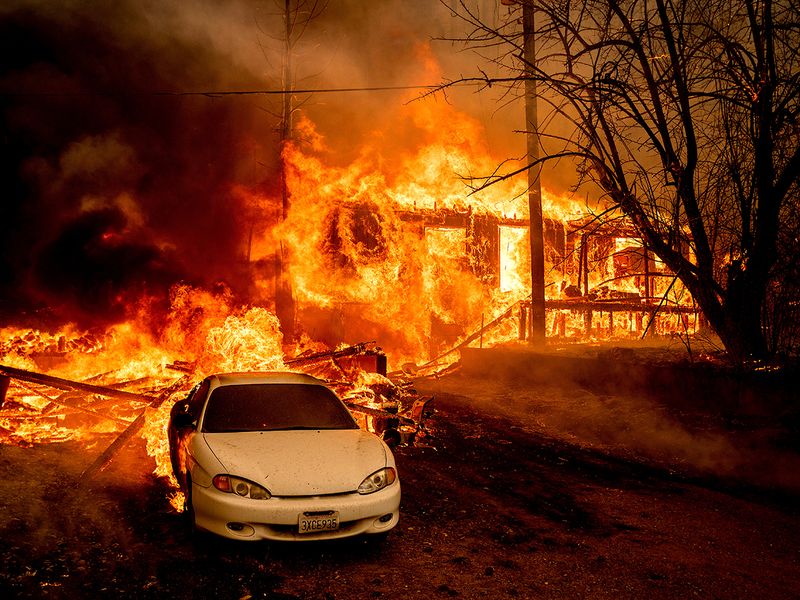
[{"x": 183, "y": 418}]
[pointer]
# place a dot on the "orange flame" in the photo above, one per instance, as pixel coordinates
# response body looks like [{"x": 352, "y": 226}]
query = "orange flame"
[{"x": 387, "y": 247}]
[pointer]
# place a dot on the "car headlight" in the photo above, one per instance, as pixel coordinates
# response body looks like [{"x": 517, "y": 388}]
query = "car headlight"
[
  {"x": 377, "y": 481},
  {"x": 240, "y": 487}
]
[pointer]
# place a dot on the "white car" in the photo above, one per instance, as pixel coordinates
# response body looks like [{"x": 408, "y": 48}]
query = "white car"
[{"x": 278, "y": 456}]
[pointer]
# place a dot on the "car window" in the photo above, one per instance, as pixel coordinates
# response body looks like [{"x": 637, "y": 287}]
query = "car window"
[
  {"x": 274, "y": 406},
  {"x": 198, "y": 396}
]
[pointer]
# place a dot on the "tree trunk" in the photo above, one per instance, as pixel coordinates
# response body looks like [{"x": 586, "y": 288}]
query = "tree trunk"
[{"x": 741, "y": 329}]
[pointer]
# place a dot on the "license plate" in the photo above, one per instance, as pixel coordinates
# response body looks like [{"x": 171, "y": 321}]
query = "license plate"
[{"x": 315, "y": 522}]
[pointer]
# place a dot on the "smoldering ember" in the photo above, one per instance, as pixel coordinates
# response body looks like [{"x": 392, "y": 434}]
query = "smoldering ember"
[{"x": 544, "y": 253}]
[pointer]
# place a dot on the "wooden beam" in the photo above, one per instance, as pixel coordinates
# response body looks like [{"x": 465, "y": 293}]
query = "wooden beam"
[
  {"x": 310, "y": 358},
  {"x": 67, "y": 399},
  {"x": 123, "y": 438},
  {"x": 474, "y": 335},
  {"x": 69, "y": 385}
]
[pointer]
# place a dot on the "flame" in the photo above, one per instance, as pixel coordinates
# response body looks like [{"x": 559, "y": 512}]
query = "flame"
[
  {"x": 515, "y": 274},
  {"x": 250, "y": 342},
  {"x": 391, "y": 246},
  {"x": 368, "y": 248}
]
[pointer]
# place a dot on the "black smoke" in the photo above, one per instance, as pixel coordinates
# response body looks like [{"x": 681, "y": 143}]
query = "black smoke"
[
  {"x": 102, "y": 273},
  {"x": 108, "y": 187}
]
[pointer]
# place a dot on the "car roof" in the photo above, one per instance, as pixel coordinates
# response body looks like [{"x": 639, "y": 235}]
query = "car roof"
[{"x": 265, "y": 378}]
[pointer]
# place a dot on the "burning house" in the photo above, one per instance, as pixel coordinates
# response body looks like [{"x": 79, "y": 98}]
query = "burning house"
[{"x": 416, "y": 248}]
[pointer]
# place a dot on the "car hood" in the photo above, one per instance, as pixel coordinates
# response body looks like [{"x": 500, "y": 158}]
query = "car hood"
[{"x": 300, "y": 463}]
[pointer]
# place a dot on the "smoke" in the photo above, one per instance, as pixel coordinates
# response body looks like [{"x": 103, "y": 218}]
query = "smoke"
[
  {"x": 113, "y": 190},
  {"x": 397, "y": 43},
  {"x": 677, "y": 432},
  {"x": 109, "y": 188}
]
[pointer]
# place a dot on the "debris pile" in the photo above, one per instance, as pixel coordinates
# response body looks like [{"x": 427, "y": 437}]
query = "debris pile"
[{"x": 40, "y": 408}]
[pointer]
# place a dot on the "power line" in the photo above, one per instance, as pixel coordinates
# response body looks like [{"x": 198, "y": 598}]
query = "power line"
[{"x": 220, "y": 93}]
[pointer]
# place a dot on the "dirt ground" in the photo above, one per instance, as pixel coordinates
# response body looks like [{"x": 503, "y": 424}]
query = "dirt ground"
[{"x": 524, "y": 492}]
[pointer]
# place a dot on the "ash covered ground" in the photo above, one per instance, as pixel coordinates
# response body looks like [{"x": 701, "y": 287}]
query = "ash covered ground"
[{"x": 526, "y": 491}]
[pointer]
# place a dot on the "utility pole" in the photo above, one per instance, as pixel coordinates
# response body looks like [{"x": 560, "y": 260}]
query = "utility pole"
[
  {"x": 284, "y": 298},
  {"x": 286, "y": 112},
  {"x": 537, "y": 320}
]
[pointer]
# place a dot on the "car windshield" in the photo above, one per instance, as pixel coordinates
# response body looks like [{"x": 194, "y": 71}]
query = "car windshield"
[{"x": 274, "y": 406}]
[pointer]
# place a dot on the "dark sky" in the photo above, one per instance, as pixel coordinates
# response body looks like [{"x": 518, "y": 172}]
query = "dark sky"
[{"x": 111, "y": 193}]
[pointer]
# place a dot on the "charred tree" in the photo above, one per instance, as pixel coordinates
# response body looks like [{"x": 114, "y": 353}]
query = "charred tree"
[{"x": 685, "y": 116}]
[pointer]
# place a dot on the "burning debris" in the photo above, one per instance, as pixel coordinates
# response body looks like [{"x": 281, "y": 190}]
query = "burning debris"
[{"x": 31, "y": 411}]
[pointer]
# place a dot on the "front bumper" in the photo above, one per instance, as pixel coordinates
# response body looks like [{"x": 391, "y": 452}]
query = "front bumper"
[{"x": 238, "y": 518}]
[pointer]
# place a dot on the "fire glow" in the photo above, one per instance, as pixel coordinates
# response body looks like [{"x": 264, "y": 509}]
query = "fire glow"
[{"x": 391, "y": 248}]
